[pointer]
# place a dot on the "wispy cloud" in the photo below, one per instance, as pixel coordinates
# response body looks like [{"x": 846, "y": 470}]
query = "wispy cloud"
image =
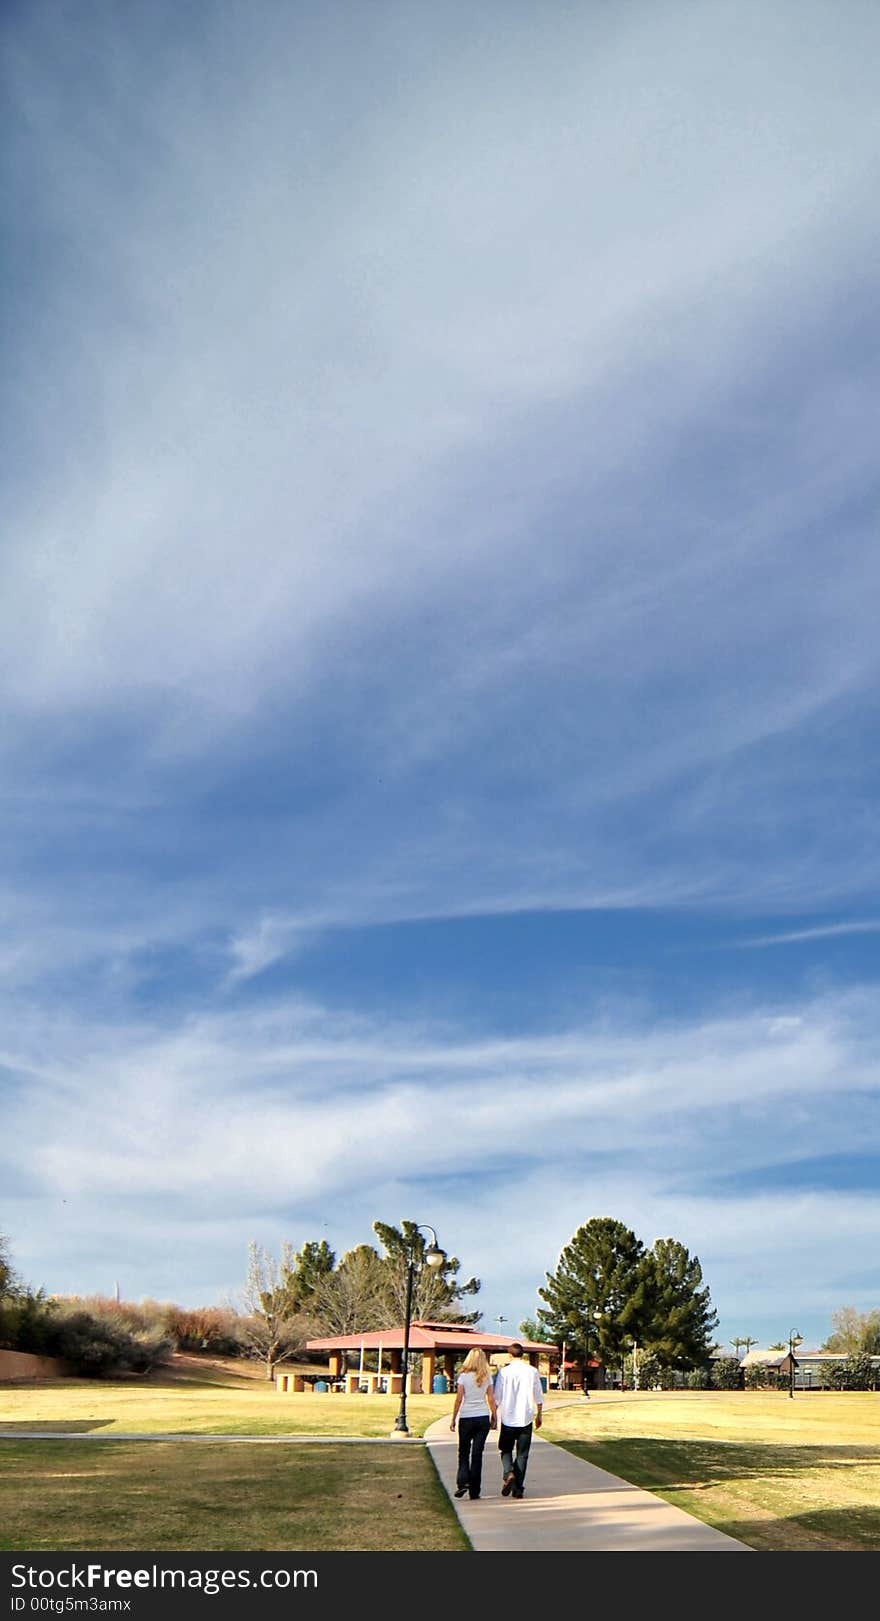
[
  {"x": 441, "y": 481},
  {"x": 288, "y": 1116},
  {"x": 280, "y": 405},
  {"x": 270, "y": 940},
  {"x": 825, "y": 931}
]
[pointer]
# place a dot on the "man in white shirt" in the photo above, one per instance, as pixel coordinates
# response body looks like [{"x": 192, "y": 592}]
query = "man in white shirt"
[{"x": 518, "y": 1394}]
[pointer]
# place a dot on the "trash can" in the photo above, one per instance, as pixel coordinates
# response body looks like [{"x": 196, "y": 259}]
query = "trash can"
[
  {"x": 320, "y": 1384},
  {"x": 440, "y": 1386}
]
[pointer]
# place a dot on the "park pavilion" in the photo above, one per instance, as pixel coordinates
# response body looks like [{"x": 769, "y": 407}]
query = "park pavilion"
[{"x": 379, "y": 1354}]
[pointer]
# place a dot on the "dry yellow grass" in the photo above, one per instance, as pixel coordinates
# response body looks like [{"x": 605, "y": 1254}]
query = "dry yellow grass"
[
  {"x": 61, "y": 1495},
  {"x": 213, "y": 1400},
  {"x": 776, "y": 1473},
  {"x": 812, "y": 1418},
  {"x": 783, "y": 1475}
]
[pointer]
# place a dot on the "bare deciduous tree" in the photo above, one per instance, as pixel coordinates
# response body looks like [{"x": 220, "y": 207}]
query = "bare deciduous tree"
[
  {"x": 854, "y": 1332},
  {"x": 9, "y": 1283},
  {"x": 353, "y": 1298},
  {"x": 269, "y": 1328}
]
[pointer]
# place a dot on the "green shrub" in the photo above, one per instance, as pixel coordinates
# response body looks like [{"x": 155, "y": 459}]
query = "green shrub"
[
  {"x": 26, "y": 1323},
  {"x": 860, "y": 1372},
  {"x": 727, "y": 1374},
  {"x": 649, "y": 1370},
  {"x": 94, "y": 1346}
]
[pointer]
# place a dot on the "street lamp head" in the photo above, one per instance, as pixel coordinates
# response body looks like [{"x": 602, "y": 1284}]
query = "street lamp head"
[{"x": 433, "y": 1255}]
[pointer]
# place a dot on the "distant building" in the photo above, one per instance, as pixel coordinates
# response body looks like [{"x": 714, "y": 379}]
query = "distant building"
[
  {"x": 774, "y": 1361},
  {"x": 811, "y": 1368}
]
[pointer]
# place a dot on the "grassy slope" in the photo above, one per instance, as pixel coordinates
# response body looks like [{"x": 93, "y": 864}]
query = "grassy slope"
[{"x": 218, "y": 1404}]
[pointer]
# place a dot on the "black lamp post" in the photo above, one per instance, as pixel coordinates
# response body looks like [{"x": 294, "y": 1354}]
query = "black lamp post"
[
  {"x": 794, "y": 1339},
  {"x": 591, "y": 1328},
  {"x": 434, "y": 1258}
]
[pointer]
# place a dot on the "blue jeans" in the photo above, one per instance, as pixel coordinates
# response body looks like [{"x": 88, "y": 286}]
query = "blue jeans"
[
  {"x": 514, "y": 1441},
  {"x": 472, "y": 1434}
]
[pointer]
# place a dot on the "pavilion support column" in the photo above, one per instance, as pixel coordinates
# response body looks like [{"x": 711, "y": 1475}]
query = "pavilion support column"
[
  {"x": 396, "y": 1361},
  {"x": 335, "y": 1364},
  {"x": 427, "y": 1372},
  {"x": 449, "y": 1367}
]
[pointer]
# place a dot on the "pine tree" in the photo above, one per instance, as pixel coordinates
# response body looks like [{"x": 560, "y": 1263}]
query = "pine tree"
[
  {"x": 596, "y": 1300},
  {"x": 681, "y": 1317},
  {"x": 436, "y": 1295},
  {"x": 302, "y": 1278}
]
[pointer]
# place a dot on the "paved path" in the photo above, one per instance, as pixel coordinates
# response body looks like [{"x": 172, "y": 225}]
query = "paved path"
[{"x": 569, "y": 1505}]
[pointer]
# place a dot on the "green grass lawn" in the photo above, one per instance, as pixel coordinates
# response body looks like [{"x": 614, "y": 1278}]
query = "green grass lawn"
[
  {"x": 775, "y": 1473},
  {"x": 778, "y": 1474},
  {"x": 115, "y": 1495},
  {"x": 58, "y": 1495}
]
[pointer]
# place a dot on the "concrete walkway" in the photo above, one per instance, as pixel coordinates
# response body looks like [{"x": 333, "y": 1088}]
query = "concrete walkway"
[{"x": 569, "y": 1505}]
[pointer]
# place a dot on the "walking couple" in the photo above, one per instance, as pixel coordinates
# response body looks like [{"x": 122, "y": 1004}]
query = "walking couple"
[{"x": 479, "y": 1407}]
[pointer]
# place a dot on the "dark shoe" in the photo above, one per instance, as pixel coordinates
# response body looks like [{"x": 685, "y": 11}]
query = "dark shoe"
[
  {"x": 519, "y": 1494},
  {"x": 475, "y": 1497},
  {"x": 460, "y": 1491},
  {"x": 507, "y": 1488}
]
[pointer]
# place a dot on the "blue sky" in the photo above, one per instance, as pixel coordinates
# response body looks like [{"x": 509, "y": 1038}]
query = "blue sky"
[{"x": 438, "y": 646}]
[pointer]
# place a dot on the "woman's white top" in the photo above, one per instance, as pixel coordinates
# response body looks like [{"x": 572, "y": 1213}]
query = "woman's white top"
[{"x": 474, "y": 1404}]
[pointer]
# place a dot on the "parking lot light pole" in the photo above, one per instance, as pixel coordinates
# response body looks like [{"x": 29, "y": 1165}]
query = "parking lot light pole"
[{"x": 434, "y": 1257}]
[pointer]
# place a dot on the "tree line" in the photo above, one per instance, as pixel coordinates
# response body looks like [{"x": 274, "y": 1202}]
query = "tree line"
[
  {"x": 306, "y": 1294},
  {"x": 309, "y": 1294},
  {"x": 610, "y": 1299}
]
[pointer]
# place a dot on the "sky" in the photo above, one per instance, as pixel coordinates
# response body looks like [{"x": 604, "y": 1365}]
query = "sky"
[{"x": 438, "y": 641}]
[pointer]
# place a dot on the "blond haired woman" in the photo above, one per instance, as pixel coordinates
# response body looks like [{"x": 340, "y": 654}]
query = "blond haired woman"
[{"x": 475, "y": 1410}]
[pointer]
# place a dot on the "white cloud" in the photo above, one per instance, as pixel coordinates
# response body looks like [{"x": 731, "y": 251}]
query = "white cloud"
[
  {"x": 825, "y": 931},
  {"x": 440, "y": 484},
  {"x": 293, "y": 376},
  {"x": 269, "y": 940},
  {"x": 310, "y": 1119}
]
